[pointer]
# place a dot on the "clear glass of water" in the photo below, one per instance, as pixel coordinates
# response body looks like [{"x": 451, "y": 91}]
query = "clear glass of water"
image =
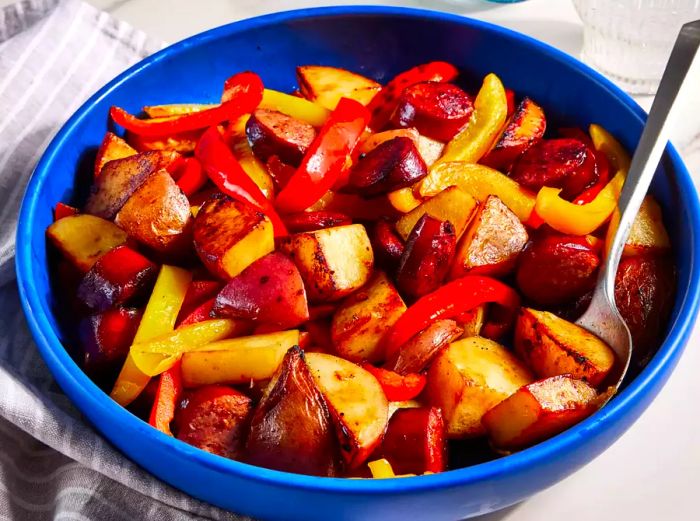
[{"x": 631, "y": 40}]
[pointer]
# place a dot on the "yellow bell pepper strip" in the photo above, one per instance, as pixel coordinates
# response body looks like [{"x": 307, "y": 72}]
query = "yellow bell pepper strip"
[
  {"x": 619, "y": 160},
  {"x": 403, "y": 199},
  {"x": 299, "y": 108},
  {"x": 604, "y": 141},
  {"x": 583, "y": 219},
  {"x": 474, "y": 140},
  {"x": 158, "y": 319},
  {"x": 294, "y": 106},
  {"x": 480, "y": 181},
  {"x": 575, "y": 219},
  {"x": 381, "y": 469},
  {"x": 237, "y": 360},
  {"x": 158, "y": 355},
  {"x": 238, "y": 141}
]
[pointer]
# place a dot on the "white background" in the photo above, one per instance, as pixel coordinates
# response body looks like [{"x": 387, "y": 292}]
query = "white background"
[{"x": 653, "y": 472}]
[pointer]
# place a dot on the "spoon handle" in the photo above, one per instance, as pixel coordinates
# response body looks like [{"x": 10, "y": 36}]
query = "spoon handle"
[{"x": 651, "y": 145}]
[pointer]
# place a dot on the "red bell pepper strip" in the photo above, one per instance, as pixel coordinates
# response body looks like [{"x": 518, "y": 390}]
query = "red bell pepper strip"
[
  {"x": 449, "y": 301},
  {"x": 167, "y": 396},
  {"x": 244, "y": 93},
  {"x": 198, "y": 314},
  {"x": 63, "y": 210},
  {"x": 225, "y": 171},
  {"x": 397, "y": 387},
  {"x": 198, "y": 292},
  {"x": 325, "y": 159},
  {"x": 192, "y": 177},
  {"x": 603, "y": 167},
  {"x": 510, "y": 100},
  {"x": 384, "y": 102}
]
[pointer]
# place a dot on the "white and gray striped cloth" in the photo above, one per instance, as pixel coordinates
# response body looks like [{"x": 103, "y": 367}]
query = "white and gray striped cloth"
[{"x": 53, "y": 55}]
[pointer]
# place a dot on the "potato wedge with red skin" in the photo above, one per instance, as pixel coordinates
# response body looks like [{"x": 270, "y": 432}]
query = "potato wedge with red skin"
[
  {"x": 326, "y": 85},
  {"x": 563, "y": 163},
  {"x": 416, "y": 354},
  {"x": 230, "y": 235},
  {"x": 359, "y": 324},
  {"x": 215, "y": 418},
  {"x": 391, "y": 165},
  {"x": 415, "y": 442},
  {"x": 644, "y": 289},
  {"x": 105, "y": 339},
  {"x": 272, "y": 133},
  {"x": 116, "y": 277},
  {"x": 358, "y": 406},
  {"x": 538, "y": 411},
  {"x": 333, "y": 262},
  {"x": 555, "y": 269},
  {"x": 112, "y": 147},
  {"x": 291, "y": 428},
  {"x": 427, "y": 258},
  {"x": 269, "y": 291},
  {"x": 83, "y": 238},
  {"x": 648, "y": 234},
  {"x": 310, "y": 221},
  {"x": 552, "y": 346},
  {"x": 469, "y": 377},
  {"x": 524, "y": 128},
  {"x": 120, "y": 178},
  {"x": 158, "y": 215},
  {"x": 437, "y": 110},
  {"x": 387, "y": 245},
  {"x": 491, "y": 245}
]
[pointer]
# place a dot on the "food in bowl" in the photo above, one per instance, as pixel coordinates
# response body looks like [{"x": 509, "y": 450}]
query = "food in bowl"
[{"x": 338, "y": 281}]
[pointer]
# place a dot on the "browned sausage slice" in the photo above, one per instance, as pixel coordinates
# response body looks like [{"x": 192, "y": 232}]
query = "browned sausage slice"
[
  {"x": 272, "y": 133},
  {"x": 436, "y": 110},
  {"x": 214, "y": 418},
  {"x": 392, "y": 165}
]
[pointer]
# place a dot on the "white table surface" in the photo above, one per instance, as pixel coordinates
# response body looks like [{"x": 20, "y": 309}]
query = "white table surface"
[{"x": 653, "y": 472}]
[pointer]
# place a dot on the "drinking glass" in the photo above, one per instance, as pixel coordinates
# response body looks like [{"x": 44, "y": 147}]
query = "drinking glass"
[{"x": 631, "y": 40}]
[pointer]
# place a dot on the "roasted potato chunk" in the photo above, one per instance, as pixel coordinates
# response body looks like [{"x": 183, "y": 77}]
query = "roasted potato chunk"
[
  {"x": 82, "y": 239},
  {"x": 326, "y": 85},
  {"x": 112, "y": 147},
  {"x": 360, "y": 322},
  {"x": 158, "y": 214},
  {"x": 120, "y": 178},
  {"x": 648, "y": 233},
  {"x": 291, "y": 428},
  {"x": 492, "y": 242},
  {"x": 468, "y": 378},
  {"x": 452, "y": 204},
  {"x": 333, "y": 262},
  {"x": 552, "y": 346},
  {"x": 538, "y": 411},
  {"x": 357, "y": 404},
  {"x": 229, "y": 235}
]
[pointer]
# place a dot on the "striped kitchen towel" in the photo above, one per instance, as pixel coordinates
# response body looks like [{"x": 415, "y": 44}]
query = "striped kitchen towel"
[{"x": 53, "y": 55}]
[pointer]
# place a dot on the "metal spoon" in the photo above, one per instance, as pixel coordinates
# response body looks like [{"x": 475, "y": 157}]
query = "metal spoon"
[{"x": 602, "y": 317}]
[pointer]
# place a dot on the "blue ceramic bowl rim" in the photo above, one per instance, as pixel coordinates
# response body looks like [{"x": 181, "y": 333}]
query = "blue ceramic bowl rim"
[{"x": 75, "y": 381}]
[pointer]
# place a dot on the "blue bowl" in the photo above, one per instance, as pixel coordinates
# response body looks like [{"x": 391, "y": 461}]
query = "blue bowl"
[{"x": 378, "y": 42}]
